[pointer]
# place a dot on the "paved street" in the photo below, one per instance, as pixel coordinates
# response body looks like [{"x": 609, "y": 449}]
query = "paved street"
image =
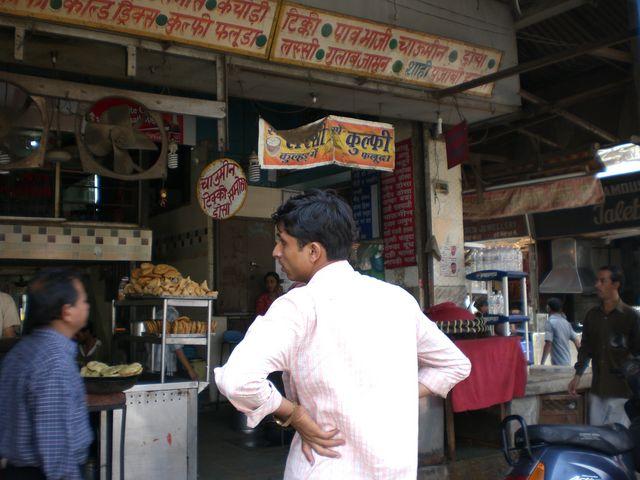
[{"x": 225, "y": 454}]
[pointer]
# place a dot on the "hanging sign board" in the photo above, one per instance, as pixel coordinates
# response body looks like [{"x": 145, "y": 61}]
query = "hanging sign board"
[
  {"x": 398, "y": 205},
  {"x": 222, "y": 189},
  {"x": 332, "y": 140},
  {"x": 237, "y": 26},
  {"x": 329, "y": 41},
  {"x": 541, "y": 197},
  {"x": 620, "y": 210}
]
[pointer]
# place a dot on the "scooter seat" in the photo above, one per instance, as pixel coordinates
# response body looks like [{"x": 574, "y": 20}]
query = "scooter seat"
[{"x": 611, "y": 439}]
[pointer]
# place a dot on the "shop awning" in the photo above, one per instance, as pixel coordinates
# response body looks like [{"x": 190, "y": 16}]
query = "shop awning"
[{"x": 541, "y": 197}]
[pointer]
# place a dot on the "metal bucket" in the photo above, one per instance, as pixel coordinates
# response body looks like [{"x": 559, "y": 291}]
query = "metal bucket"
[{"x": 138, "y": 328}]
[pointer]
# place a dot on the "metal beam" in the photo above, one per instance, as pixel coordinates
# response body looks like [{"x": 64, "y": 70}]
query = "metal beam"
[
  {"x": 613, "y": 54},
  {"x": 81, "y": 92},
  {"x": 487, "y": 157},
  {"x": 536, "y": 64},
  {"x": 538, "y": 137},
  {"x": 565, "y": 102},
  {"x": 580, "y": 122},
  {"x": 131, "y": 61},
  {"x": 18, "y": 43},
  {"x": 547, "y": 10}
]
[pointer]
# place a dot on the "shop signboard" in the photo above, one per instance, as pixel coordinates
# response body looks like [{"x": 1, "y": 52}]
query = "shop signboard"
[
  {"x": 222, "y": 189},
  {"x": 314, "y": 38},
  {"x": 620, "y": 209},
  {"x": 365, "y": 197},
  {"x": 397, "y": 210},
  {"x": 329, "y": 141},
  {"x": 495, "y": 228},
  {"x": 141, "y": 118},
  {"x": 237, "y": 26},
  {"x": 537, "y": 198}
]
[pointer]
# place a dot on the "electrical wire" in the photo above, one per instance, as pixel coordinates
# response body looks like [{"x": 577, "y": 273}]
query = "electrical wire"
[
  {"x": 448, "y": 10},
  {"x": 449, "y": 19},
  {"x": 258, "y": 106}
]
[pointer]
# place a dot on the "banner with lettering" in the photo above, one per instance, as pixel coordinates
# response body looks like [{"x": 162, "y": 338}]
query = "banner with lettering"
[
  {"x": 620, "y": 210},
  {"x": 315, "y": 38},
  {"x": 241, "y": 26},
  {"x": 332, "y": 140},
  {"x": 222, "y": 189},
  {"x": 398, "y": 202},
  {"x": 541, "y": 197}
]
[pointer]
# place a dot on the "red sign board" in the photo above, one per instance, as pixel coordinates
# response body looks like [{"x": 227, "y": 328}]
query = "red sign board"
[
  {"x": 142, "y": 120},
  {"x": 397, "y": 210}
]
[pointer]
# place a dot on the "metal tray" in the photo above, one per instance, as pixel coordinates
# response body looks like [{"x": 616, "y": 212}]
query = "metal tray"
[
  {"x": 105, "y": 385},
  {"x": 170, "y": 297}
]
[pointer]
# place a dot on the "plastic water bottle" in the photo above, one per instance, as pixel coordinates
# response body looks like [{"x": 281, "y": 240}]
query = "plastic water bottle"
[
  {"x": 491, "y": 301},
  {"x": 499, "y": 304}
]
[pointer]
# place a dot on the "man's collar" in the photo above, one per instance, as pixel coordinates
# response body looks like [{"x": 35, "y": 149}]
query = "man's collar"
[
  {"x": 54, "y": 336},
  {"x": 333, "y": 268},
  {"x": 619, "y": 306}
]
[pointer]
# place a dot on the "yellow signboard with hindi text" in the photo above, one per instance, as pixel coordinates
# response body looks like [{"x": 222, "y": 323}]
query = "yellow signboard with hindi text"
[{"x": 330, "y": 141}]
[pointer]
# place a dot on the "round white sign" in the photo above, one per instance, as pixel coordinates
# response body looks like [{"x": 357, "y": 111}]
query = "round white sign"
[{"x": 222, "y": 189}]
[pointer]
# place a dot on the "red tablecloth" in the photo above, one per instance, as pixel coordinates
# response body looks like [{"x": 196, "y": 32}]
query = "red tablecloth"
[{"x": 498, "y": 373}]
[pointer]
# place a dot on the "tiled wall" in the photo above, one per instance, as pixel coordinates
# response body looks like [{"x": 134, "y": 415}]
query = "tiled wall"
[
  {"x": 74, "y": 242},
  {"x": 178, "y": 246}
]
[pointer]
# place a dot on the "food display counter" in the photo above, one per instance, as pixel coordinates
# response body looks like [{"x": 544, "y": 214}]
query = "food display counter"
[{"x": 161, "y": 430}]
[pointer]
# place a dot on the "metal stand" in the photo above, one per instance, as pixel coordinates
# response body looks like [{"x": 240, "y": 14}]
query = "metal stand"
[
  {"x": 505, "y": 317},
  {"x": 168, "y": 339}
]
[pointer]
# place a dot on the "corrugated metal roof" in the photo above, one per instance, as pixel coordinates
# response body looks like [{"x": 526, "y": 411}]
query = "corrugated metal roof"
[{"x": 575, "y": 27}]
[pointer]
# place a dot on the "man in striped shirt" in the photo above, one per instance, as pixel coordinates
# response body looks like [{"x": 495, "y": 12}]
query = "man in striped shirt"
[
  {"x": 356, "y": 354},
  {"x": 44, "y": 426}
]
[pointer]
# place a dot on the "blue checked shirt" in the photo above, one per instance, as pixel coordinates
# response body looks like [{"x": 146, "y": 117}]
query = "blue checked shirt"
[{"x": 44, "y": 421}]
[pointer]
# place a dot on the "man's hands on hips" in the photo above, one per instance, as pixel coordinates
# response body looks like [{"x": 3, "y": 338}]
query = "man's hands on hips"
[{"x": 314, "y": 438}]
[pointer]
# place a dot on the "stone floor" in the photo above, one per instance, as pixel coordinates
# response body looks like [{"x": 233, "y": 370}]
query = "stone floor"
[{"x": 227, "y": 454}]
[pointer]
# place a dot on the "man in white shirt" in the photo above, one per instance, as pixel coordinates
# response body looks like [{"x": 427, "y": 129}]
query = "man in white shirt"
[
  {"x": 9, "y": 319},
  {"x": 356, "y": 355}
]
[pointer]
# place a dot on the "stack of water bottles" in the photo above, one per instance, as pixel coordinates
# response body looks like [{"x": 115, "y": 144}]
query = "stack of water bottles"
[
  {"x": 498, "y": 258},
  {"x": 496, "y": 303}
]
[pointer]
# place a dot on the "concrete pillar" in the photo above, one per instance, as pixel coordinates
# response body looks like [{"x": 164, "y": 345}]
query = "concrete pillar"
[
  {"x": 443, "y": 218},
  {"x": 443, "y": 188}
]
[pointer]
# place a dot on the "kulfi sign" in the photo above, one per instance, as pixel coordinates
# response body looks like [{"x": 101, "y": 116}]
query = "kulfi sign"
[
  {"x": 330, "y": 141},
  {"x": 314, "y": 38},
  {"x": 222, "y": 189},
  {"x": 240, "y": 26}
]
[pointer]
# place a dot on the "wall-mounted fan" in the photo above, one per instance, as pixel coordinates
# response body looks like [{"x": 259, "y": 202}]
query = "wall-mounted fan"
[
  {"x": 120, "y": 138},
  {"x": 24, "y": 128}
]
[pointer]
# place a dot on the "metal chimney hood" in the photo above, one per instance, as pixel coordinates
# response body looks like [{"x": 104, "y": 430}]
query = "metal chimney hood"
[{"x": 571, "y": 268}]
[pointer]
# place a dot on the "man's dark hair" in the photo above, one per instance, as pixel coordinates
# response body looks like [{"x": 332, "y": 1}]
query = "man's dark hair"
[
  {"x": 47, "y": 293},
  {"x": 617, "y": 275},
  {"x": 555, "y": 305},
  {"x": 481, "y": 302},
  {"x": 319, "y": 216}
]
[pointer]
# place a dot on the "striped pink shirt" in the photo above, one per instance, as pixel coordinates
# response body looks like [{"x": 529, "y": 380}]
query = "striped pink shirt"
[{"x": 353, "y": 350}]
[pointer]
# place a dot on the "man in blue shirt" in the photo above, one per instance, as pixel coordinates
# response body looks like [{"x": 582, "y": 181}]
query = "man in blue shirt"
[{"x": 44, "y": 426}]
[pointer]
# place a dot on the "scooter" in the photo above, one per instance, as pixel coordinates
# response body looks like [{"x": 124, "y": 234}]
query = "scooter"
[{"x": 577, "y": 452}]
